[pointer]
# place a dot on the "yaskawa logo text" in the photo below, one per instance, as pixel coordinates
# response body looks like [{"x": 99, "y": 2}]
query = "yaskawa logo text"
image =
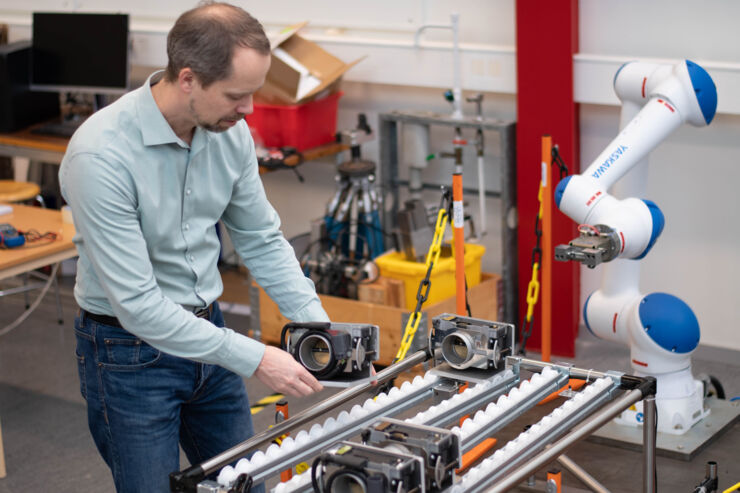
[{"x": 609, "y": 161}]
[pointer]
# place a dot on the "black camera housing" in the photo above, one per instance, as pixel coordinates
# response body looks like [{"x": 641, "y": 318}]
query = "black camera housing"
[
  {"x": 351, "y": 466},
  {"x": 439, "y": 448},
  {"x": 471, "y": 343},
  {"x": 330, "y": 350}
]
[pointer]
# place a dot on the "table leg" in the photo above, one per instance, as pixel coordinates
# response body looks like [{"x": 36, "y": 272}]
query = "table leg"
[{"x": 3, "y": 472}]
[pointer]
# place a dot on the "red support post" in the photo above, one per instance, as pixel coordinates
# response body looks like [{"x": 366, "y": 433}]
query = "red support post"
[{"x": 547, "y": 39}]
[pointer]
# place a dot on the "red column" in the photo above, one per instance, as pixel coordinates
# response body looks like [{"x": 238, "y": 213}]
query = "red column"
[{"x": 547, "y": 39}]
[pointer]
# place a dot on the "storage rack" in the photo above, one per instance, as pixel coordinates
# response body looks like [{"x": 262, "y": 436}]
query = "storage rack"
[{"x": 389, "y": 184}]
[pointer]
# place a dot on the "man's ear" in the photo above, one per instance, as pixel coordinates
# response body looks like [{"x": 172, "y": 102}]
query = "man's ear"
[{"x": 187, "y": 80}]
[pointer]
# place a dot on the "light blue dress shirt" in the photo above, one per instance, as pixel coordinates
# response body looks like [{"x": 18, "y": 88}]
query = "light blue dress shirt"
[{"x": 145, "y": 206}]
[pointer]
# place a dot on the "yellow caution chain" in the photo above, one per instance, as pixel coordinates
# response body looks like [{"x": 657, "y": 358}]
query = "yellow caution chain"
[
  {"x": 735, "y": 487},
  {"x": 265, "y": 401},
  {"x": 432, "y": 257},
  {"x": 533, "y": 288}
]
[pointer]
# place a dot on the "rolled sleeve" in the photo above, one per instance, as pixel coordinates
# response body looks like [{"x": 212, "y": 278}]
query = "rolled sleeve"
[{"x": 254, "y": 227}]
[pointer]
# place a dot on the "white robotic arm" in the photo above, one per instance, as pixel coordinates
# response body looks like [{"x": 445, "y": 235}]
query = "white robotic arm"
[
  {"x": 661, "y": 330},
  {"x": 669, "y": 96}
]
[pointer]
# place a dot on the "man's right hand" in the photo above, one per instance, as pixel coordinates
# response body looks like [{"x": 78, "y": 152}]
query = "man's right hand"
[{"x": 282, "y": 373}]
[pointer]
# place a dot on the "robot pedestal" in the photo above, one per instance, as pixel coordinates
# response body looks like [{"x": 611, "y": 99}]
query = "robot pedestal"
[{"x": 722, "y": 415}]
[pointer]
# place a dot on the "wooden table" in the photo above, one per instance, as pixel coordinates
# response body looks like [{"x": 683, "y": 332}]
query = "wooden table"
[
  {"x": 24, "y": 259},
  {"x": 36, "y": 147},
  {"x": 51, "y": 149},
  {"x": 16, "y": 261}
]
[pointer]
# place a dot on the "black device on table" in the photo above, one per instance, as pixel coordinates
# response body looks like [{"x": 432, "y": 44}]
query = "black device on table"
[
  {"x": 70, "y": 52},
  {"x": 19, "y": 105},
  {"x": 79, "y": 52},
  {"x": 59, "y": 128}
]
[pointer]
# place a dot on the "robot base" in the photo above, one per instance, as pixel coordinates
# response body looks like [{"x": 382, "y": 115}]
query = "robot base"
[
  {"x": 676, "y": 415},
  {"x": 721, "y": 415}
]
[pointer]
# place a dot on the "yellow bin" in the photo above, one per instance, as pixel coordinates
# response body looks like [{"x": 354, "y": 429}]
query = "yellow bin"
[{"x": 395, "y": 266}]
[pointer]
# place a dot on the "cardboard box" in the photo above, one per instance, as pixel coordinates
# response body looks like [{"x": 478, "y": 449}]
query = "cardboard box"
[
  {"x": 483, "y": 298},
  {"x": 382, "y": 291},
  {"x": 301, "y": 70}
]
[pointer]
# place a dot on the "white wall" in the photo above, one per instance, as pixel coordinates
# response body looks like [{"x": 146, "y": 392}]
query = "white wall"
[{"x": 692, "y": 175}]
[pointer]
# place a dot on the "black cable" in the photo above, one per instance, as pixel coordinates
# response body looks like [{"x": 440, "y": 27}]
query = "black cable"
[
  {"x": 717, "y": 387},
  {"x": 318, "y": 462},
  {"x": 655, "y": 463}
]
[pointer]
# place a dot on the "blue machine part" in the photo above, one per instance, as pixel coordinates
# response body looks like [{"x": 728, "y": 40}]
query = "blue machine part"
[
  {"x": 705, "y": 90},
  {"x": 669, "y": 322},
  {"x": 560, "y": 190},
  {"x": 658, "y": 224},
  {"x": 10, "y": 237},
  {"x": 585, "y": 315}
]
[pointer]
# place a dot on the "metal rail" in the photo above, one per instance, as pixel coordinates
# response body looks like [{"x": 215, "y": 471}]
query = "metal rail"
[
  {"x": 188, "y": 479},
  {"x": 514, "y": 413},
  {"x": 592, "y": 415},
  {"x": 592, "y": 424},
  {"x": 581, "y": 474}
]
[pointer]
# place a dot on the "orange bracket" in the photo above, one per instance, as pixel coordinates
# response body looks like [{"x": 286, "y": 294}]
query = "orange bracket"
[
  {"x": 556, "y": 476},
  {"x": 281, "y": 414},
  {"x": 471, "y": 456},
  {"x": 573, "y": 384}
]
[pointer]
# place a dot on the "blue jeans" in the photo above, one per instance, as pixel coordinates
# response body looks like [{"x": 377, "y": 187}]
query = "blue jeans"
[{"x": 142, "y": 403}]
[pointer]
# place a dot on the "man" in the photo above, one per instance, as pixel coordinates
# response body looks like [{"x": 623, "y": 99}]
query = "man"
[{"x": 147, "y": 179}]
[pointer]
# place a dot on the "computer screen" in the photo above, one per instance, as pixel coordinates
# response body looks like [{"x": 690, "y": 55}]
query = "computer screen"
[{"x": 80, "y": 52}]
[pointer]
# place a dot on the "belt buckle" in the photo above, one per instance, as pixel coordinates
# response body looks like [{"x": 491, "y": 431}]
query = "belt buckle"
[{"x": 203, "y": 312}]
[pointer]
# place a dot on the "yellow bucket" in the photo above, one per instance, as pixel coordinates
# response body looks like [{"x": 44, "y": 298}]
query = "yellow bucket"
[{"x": 395, "y": 266}]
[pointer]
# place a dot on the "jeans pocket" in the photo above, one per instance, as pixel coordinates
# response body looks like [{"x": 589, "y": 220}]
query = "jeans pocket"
[
  {"x": 128, "y": 354},
  {"x": 81, "y": 373}
]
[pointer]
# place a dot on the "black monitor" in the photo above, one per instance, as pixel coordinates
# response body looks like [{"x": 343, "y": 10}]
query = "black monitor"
[{"x": 80, "y": 52}]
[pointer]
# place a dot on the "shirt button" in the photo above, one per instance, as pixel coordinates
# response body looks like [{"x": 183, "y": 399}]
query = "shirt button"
[
  {"x": 192, "y": 258},
  {"x": 187, "y": 192},
  {"x": 186, "y": 227}
]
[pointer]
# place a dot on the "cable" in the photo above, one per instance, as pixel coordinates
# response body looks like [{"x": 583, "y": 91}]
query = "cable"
[
  {"x": 717, "y": 387},
  {"x": 318, "y": 462},
  {"x": 8, "y": 328}
]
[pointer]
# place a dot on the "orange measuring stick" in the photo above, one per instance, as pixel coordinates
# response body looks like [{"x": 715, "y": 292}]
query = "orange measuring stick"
[
  {"x": 547, "y": 251},
  {"x": 459, "y": 237}
]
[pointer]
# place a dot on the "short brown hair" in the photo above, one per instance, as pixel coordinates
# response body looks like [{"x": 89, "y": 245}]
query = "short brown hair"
[{"x": 204, "y": 39}]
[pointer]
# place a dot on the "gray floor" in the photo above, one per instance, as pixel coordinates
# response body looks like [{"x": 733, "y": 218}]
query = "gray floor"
[{"x": 48, "y": 447}]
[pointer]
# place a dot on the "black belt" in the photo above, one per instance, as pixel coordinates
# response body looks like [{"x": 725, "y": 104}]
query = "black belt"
[{"x": 113, "y": 321}]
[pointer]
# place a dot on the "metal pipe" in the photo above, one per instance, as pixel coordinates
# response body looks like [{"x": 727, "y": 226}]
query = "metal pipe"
[
  {"x": 649, "y": 436},
  {"x": 457, "y": 112},
  {"x": 593, "y": 423},
  {"x": 456, "y": 67},
  {"x": 532, "y": 364},
  {"x": 211, "y": 465},
  {"x": 581, "y": 474}
]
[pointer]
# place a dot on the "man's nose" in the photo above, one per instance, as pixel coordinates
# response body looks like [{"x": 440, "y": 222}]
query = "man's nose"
[{"x": 246, "y": 107}]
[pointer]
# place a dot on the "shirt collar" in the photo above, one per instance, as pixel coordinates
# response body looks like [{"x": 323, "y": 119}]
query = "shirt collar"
[{"x": 154, "y": 127}]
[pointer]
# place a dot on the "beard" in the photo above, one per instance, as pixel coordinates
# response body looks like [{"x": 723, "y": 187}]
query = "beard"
[{"x": 221, "y": 125}]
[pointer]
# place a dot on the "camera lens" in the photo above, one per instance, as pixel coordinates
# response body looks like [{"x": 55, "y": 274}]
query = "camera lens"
[
  {"x": 347, "y": 482},
  {"x": 458, "y": 350},
  {"x": 315, "y": 352}
]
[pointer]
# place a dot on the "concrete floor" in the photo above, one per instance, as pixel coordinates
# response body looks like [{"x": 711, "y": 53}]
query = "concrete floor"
[{"x": 48, "y": 447}]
